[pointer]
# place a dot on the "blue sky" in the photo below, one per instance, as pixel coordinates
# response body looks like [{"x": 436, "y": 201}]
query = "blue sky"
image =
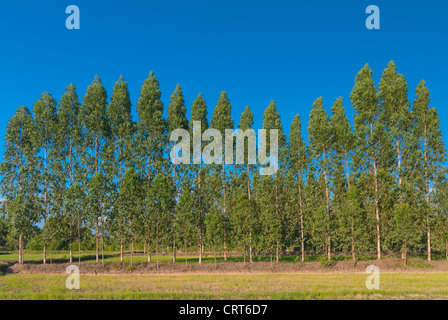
[{"x": 290, "y": 51}]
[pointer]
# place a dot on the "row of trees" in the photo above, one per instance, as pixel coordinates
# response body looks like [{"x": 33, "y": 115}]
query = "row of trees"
[{"x": 376, "y": 186}]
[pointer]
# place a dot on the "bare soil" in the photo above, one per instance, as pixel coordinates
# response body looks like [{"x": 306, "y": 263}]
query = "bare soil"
[{"x": 385, "y": 265}]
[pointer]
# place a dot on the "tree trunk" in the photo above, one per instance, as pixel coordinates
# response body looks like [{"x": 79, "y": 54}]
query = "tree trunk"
[
  {"x": 224, "y": 211},
  {"x": 250, "y": 248},
  {"x": 121, "y": 247},
  {"x": 377, "y": 212},
  {"x": 174, "y": 215},
  {"x": 97, "y": 239},
  {"x": 102, "y": 243},
  {"x": 79, "y": 241},
  {"x": 353, "y": 241},
  {"x": 132, "y": 250},
  {"x": 71, "y": 244},
  {"x": 20, "y": 249},
  {"x": 200, "y": 216},
  {"x": 302, "y": 242},
  {"x": 186, "y": 253}
]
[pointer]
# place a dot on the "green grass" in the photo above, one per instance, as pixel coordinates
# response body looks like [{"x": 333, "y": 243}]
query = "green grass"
[{"x": 245, "y": 286}]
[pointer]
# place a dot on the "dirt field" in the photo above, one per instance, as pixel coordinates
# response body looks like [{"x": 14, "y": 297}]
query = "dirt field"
[{"x": 386, "y": 265}]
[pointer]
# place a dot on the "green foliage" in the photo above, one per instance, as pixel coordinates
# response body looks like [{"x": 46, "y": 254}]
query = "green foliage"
[{"x": 88, "y": 170}]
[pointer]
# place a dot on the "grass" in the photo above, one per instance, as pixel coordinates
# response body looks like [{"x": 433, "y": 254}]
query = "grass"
[{"x": 240, "y": 286}]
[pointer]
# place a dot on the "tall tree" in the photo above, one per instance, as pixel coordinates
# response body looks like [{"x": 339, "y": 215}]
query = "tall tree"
[
  {"x": 95, "y": 129},
  {"x": 342, "y": 140},
  {"x": 18, "y": 182},
  {"x": 271, "y": 120},
  {"x": 150, "y": 141},
  {"x": 319, "y": 135},
  {"x": 427, "y": 131},
  {"x": 121, "y": 129},
  {"x": 199, "y": 113},
  {"x": 45, "y": 126},
  {"x": 177, "y": 119},
  {"x": 222, "y": 120},
  {"x": 68, "y": 139},
  {"x": 298, "y": 159}
]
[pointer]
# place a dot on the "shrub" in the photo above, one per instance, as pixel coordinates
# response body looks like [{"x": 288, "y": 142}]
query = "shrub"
[{"x": 3, "y": 268}]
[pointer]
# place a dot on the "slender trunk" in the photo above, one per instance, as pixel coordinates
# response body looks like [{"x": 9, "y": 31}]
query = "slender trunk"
[
  {"x": 132, "y": 250},
  {"x": 20, "y": 249},
  {"x": 377, "y": 212},
  {"x": 45, "y": 254},
  {"x": 174, "y": 215},
  {"x": 97, "y": 238},
  {"x": 249, "y": 198},
  {"x": 157, "y": 240},
  {"x": 45, "y": 208},
  {"x": 427, "y": 195},
  {"x": 224, "y": 211},
  {"x": 121, "y": 246},
  {"x": 71, "y": 243},
  {"x": 102, "y": 243},
  {"x": 79, "y": 240},
  {"x": 277, "y": 214},
  {"x": 446, "y": 249},
  {"x": 397, "y": 143},
  {"x": 353, "y": 240},
  {"x": 277, "y": 252},
  {"x": 327, "y": 198},
  {"x": 404, "y": 255},
  {"x": 352, "y": 229},
  {"x": 149, "y": 246},
  {"x": 377, "y": 209},
  {"x": 71, "y": 183},
  {"x": 250, "y": 248},
  {"x": 302, "y": 241},
  {"x": 200, "y": 216},
  {"x": 186, "y": 253}
]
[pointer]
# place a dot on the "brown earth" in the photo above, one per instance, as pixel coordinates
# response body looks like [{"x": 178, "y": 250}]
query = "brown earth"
[{"x": 385, "y": 265}]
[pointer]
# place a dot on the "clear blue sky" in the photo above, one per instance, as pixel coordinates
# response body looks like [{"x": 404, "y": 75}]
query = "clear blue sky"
[{"x": 289, "y": 51}]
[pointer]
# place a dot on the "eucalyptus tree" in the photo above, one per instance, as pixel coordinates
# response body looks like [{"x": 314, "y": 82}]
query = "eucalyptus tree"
[
  {"x": 149, "y": 142},
  {"x": 319, "y": 136},
  {"x": 68, "y": 140},
  {"x": 271, "y": 121},
  {"x": 342, "y": 140},
  {"x": 429, "y": 136},
  {"x": 393, "y": 92},
  {"x": 246, "y": 123},
  {"x": 177, "y": 119},
  {"x": 198, "y": 170},
  {"x": 95, "y": 130},
  {"x": 45, "y": 127},
  {"x": 298, "y": 162},
  {"x": 396, "y": 116},
  {"x": 18, "y": 184},
  {"x": 130, "y": 204},
  {"x": 121, "y": 138},
  {"x": 371, "y": 144},
  {"x": 222, "y": 120},
  {"x": 161, "y": 195}
]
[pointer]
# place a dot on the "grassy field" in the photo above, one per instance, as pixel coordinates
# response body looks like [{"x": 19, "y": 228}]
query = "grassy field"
[{"x": 237, "y": 286}]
